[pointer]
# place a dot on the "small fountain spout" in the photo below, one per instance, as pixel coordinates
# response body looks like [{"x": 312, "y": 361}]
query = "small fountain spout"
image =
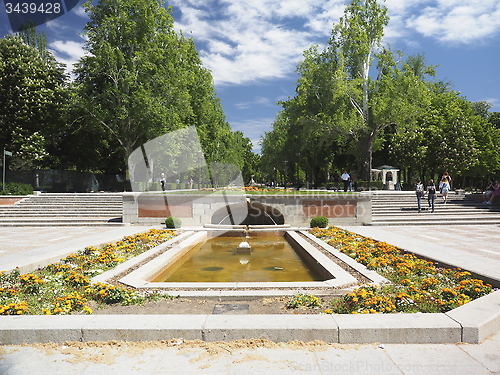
[{"x": 243, "y": 248}]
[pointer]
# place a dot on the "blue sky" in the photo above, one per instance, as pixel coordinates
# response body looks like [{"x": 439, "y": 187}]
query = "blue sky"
[{"x": 253, "y": 47}]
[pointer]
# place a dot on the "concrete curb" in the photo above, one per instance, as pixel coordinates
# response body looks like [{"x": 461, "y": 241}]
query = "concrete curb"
[
  {"x": 343, "y": 329},
  {"x": 122, "y": 267},
  {"x": 479, "y": 318}
]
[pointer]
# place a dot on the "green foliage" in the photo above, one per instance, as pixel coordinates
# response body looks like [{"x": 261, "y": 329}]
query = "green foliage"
[
  {"x": 173, "y": 222},
  {"x": 64, "y": 287},
  {"x": 300, "y": 300},
  {"x": 319, "y": 222},
  {"x": 339, "y": 109},
  {"x": 449, "y": 136},
  {"x": 127, "y": 82},
  {"x": 32, "y": 97},
  {"x": 141, "y": 80},
  {"x": 374, "y": 185},
  {"x": 16, "y": 188}
]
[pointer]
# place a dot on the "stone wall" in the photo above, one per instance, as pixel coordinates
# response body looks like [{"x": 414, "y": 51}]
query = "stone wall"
[
  {"x": 197, "y": 209},
  {"x": 7, "y": 200}
]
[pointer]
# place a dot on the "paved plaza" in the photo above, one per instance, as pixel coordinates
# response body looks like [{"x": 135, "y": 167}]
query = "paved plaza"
[
  {"x": 151, "y": 359},
  {"x": 475, "y": 245}
]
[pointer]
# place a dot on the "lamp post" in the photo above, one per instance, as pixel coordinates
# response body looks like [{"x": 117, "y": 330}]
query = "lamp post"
[
  {"x": 199, "y": 169},
  {"x": 5, "y": 152}
]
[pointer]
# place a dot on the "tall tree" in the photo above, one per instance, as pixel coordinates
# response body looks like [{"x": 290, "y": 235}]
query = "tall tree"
[
  {"x": 346, "y": 102},
  {"x": 132, "y": 81},
  {"x": 449, "y": 136},
  {"x": 33, "y": 95}
]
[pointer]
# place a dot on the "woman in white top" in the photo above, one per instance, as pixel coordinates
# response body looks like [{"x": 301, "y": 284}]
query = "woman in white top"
[{"x": 444, "y": 186}]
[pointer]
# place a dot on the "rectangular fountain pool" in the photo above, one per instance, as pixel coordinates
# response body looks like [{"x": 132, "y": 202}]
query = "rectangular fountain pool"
[
  {"x": 218, "y": 259},
  {"x": 195, "y": 263}
]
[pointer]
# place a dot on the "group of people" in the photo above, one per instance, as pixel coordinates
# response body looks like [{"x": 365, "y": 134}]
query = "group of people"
[
  {"x": 492, "y": 191},
  {"x": 444, "y": 188}
]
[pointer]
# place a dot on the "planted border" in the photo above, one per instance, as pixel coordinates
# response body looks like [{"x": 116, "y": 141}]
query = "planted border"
[
  {"x": 64, "y": 287},
  {"x": 417, "y": 285}
]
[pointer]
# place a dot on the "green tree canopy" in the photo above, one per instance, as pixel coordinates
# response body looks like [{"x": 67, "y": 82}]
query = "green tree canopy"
[
  {"x": 33, "y": 94},
  {"x": 140, "y": 79},
  {"x": 338, "y": 101},
  {"x": 132, "y": 81}
]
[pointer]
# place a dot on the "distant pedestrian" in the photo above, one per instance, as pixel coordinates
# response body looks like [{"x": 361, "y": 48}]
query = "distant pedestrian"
[
  {"x": 346, "y": 179},
  {"x": 163, "y": 181},
  {"x": 495, "y": 193},
  {"x": 444, "y": 187},
  {"x": 419, "y": 191},
  {"x": 431, "y": 194},
  {"x": 448, "y": 177},
  {"x": 489, "y": 190},
  {"x": 191, "y": 182}
]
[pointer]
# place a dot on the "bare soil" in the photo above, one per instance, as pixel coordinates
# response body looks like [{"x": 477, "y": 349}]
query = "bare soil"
[{"x": 190, "y": 306}]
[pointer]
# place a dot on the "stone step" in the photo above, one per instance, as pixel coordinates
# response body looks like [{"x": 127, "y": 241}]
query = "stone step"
[
  {"x": 440, "y": 202},
  {"x": 66, "y": 202},
  {"x": 52, "y": 205},
  {"x": 414, "y": 199},
  {"x": 400, "y": 208},
  {"x": 33, "y": 222},
  {"x": 80, "y": 209},
  {"x": 63, "y": 214},
  {"x": 446, "y": 208},
  {"x": 434, "y": 222},
  {"x": 437, "y": 215}
]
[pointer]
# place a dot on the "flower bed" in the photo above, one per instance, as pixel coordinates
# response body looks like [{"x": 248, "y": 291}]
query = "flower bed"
[
  {"x": 64, "y": 287},
  {"x": 416, "y": 285}
]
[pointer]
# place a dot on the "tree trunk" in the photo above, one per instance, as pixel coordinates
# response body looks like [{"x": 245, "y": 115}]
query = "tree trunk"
[{"x": 366, "y": 145}]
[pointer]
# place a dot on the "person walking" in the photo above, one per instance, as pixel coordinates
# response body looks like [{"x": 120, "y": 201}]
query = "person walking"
[
  {"x": 163, "y": 180},
  {"x": 448, "y": 177},
  {"x": 346, "y": 179},
  {"x": 444, "y": 187},
  {"x": 419, "y": 191},
  {"x": 431, "y": 194}
]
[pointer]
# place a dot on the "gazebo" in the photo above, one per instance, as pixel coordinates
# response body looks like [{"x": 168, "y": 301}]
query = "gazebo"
[{"x": 388, "y": 174}]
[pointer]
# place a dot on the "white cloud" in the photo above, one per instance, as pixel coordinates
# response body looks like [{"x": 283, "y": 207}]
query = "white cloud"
[
  {"x": 458, "y": 21},
  {"x": 253, "y": 129},
  {"x": 79, "y": 10},
  {"x": 250, "y": 41},
  {"x": 259, "y": 100},
  {"x": 495, "y": 103},
  {"x": 67, "y": 52},
  {"x": 243, "y": 42}
]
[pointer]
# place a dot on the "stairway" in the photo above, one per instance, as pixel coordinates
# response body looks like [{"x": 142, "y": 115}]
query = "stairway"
[
  {"x": 400, "y": 208},
  {"x": 64, "y": 209}
]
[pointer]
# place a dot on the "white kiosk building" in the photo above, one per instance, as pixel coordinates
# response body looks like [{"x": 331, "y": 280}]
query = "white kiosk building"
[{"x": 388, "y": 174}]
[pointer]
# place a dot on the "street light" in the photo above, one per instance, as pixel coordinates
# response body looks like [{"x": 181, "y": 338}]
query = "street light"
[{"x": 5, "y": 152}]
